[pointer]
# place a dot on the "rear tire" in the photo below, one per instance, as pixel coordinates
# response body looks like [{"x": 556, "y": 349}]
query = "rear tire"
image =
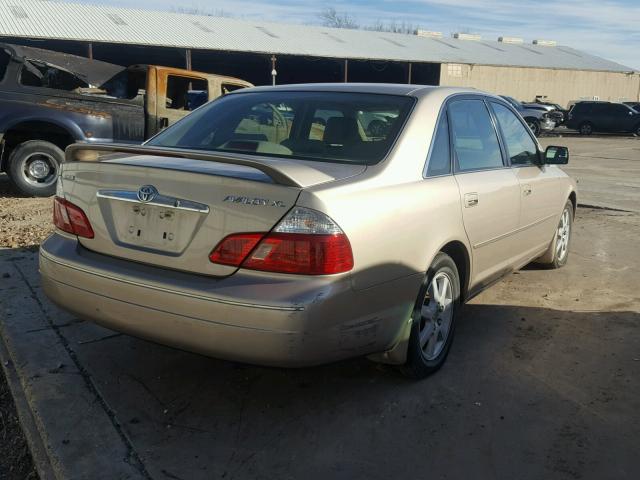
[
  {"x": 34, "y": 167},
  {"x": 585, "y": 128},
  {"x": 434, "y": 318}
]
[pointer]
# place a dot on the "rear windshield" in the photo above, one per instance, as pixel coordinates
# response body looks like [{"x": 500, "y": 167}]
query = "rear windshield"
[{"x": 325, "y": 126}]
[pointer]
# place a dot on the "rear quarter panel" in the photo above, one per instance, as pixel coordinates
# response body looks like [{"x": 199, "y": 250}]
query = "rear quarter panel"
[{"x": 395, "y": 230}]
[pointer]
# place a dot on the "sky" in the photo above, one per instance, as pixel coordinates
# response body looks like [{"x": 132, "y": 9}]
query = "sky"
[{"x": 607, "y": 28}]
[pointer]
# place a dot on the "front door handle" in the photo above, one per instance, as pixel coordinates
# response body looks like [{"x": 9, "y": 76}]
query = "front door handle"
[
  {"x": 470, "y": 200},
  {"x": 526, "y": 190}
]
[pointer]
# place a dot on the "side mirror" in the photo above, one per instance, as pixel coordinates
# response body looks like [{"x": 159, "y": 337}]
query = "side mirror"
[{"x": 555, "y": 156}]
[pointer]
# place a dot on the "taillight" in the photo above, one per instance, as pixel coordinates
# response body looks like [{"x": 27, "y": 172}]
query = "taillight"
[
  {"x": 305, "y": 242},
  {"x": 232, "y": 250},
  {"x": 70, "y": 218}
]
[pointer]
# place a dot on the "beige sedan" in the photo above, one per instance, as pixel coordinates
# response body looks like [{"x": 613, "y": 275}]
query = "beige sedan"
[{"x": 299, "y": 225}]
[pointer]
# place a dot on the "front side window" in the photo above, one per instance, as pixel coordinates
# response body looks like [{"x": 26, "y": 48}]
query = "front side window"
[
  {"x": 440, "y": 157},
  {"x": 185, "y": 93},
  {"x": 475, "y": 141},
  {"x": 323, "y": 126},
  {"x": 521, "y": 148}
]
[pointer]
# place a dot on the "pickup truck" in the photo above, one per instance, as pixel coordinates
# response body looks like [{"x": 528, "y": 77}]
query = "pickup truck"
[{"x": 49, "y": 100}]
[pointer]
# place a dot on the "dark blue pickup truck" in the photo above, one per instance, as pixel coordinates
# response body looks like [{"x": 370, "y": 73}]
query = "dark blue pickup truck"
[{"x": 49, "y": 100}]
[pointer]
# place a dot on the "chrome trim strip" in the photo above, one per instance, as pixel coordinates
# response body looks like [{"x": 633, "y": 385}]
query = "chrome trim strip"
[
  {"x": 167, "y": 290},
  {"x": 513, "y": 232},
  {"x": 158, "y": 201}
]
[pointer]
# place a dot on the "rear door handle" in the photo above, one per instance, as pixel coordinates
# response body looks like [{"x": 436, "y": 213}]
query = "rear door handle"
[
  {"x": 526, "y": 190},
  {"x": 470, "y": 200}
]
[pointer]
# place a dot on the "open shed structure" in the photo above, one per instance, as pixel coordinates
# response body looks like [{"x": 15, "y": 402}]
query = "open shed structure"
[{"x": 303, "y": 53}]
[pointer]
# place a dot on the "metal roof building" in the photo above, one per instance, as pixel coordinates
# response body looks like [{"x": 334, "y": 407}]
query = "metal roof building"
[
  {"x": 93, "y": 23},
  {"x": 73, "y": 27}
]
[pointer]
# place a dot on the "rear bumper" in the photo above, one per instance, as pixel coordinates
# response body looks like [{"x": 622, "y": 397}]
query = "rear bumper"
[{"x": 253, "y": 317}]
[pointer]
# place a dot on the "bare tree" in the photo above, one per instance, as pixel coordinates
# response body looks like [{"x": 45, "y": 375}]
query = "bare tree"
[
  {"x": 198, "y": 10},
  {"x": 393, "y": 26},
  {"x": 331, "y": 18}
]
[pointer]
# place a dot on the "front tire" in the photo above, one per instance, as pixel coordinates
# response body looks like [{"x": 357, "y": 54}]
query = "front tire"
[
  {"x": 34, "y": 166},
  {"x": 585, "y": 128},
  {"x": 434, "y": 318},
  {"x": 558, "y": 252},
  {"x": 534, "y": 125}
]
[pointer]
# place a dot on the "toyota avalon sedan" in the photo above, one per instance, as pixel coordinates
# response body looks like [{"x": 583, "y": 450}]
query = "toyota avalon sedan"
[{"x": 278, "y": 226}]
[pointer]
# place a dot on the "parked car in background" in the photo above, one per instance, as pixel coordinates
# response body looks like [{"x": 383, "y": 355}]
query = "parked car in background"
[
  {"x": 555, "y": 112},
  {"x": 49, "y": 100},
  {"x": 221, "y": 237},
  {"x": 603, "y": 117},
  {"x": 538, "y": 120}
]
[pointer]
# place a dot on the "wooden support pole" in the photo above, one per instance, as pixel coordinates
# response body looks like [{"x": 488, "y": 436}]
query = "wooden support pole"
[{"x": 188, "y": 59}]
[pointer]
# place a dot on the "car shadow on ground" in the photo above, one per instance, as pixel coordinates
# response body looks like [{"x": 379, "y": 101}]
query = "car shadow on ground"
[{"x": 555, "y": 389}]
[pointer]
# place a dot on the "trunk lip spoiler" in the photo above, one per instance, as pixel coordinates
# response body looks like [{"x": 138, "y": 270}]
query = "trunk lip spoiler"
[{"x": 233, "y": 159}]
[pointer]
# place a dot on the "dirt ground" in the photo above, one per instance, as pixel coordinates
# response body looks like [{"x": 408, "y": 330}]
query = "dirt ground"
[
  {"x": 24, "y": 222},
  {"x": 15, "y": 459}
]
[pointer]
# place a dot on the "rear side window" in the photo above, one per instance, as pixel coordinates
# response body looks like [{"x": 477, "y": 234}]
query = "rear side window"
[
  {"x": 440, "y": 157},
  {"x": 521, "y": 148},
  {"x": 581, "y": 108},
  {"x": 40, "y": 74},
  {"x": 475, "y": 141}
]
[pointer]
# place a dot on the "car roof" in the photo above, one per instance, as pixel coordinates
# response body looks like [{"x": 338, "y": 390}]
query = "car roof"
[{"x": 376, "y": 88}]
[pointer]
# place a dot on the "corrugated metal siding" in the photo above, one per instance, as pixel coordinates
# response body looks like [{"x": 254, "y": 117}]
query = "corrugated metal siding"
[{"x": 71, "y": 21}]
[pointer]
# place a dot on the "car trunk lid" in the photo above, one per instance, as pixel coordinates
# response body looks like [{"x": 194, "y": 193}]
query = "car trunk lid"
[{"x": 171, "y": 211}]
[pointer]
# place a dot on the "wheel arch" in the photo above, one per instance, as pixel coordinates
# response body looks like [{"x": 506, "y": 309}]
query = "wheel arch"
[
  {"x": 574, "y": 200},
  {"x": 50, "y": 130},
  {"x": 459, "y": 253}
]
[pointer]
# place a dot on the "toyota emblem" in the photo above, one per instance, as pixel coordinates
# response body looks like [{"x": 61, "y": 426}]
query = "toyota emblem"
[{"x": 146, "y": 193}]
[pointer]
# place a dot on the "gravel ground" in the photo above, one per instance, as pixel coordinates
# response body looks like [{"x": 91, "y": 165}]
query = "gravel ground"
[{"x": 24, "y": 222}]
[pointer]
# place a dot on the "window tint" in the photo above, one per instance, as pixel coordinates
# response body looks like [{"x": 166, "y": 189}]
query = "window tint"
[
  {"x": 581, "y": 108},
  {"x": 319, "y": 122},
  {"x": 440, "y": 157},
  {"x": 4, "y": 61},
  {"x": 262, "y": 123},
  {"x": 185, "y": 93},
  {"x": 475, "y": 141},
  {"x": 618, "y": 109},
  {"x": 599, "y": 108},
  {"x": 358, "y": 128},
  {"x": 521, "y": 148}
]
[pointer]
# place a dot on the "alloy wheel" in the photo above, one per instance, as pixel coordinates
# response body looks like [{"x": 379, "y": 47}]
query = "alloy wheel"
[
  {"x": 563, "y": 233},
  {"x": 436, "y": 315}
]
